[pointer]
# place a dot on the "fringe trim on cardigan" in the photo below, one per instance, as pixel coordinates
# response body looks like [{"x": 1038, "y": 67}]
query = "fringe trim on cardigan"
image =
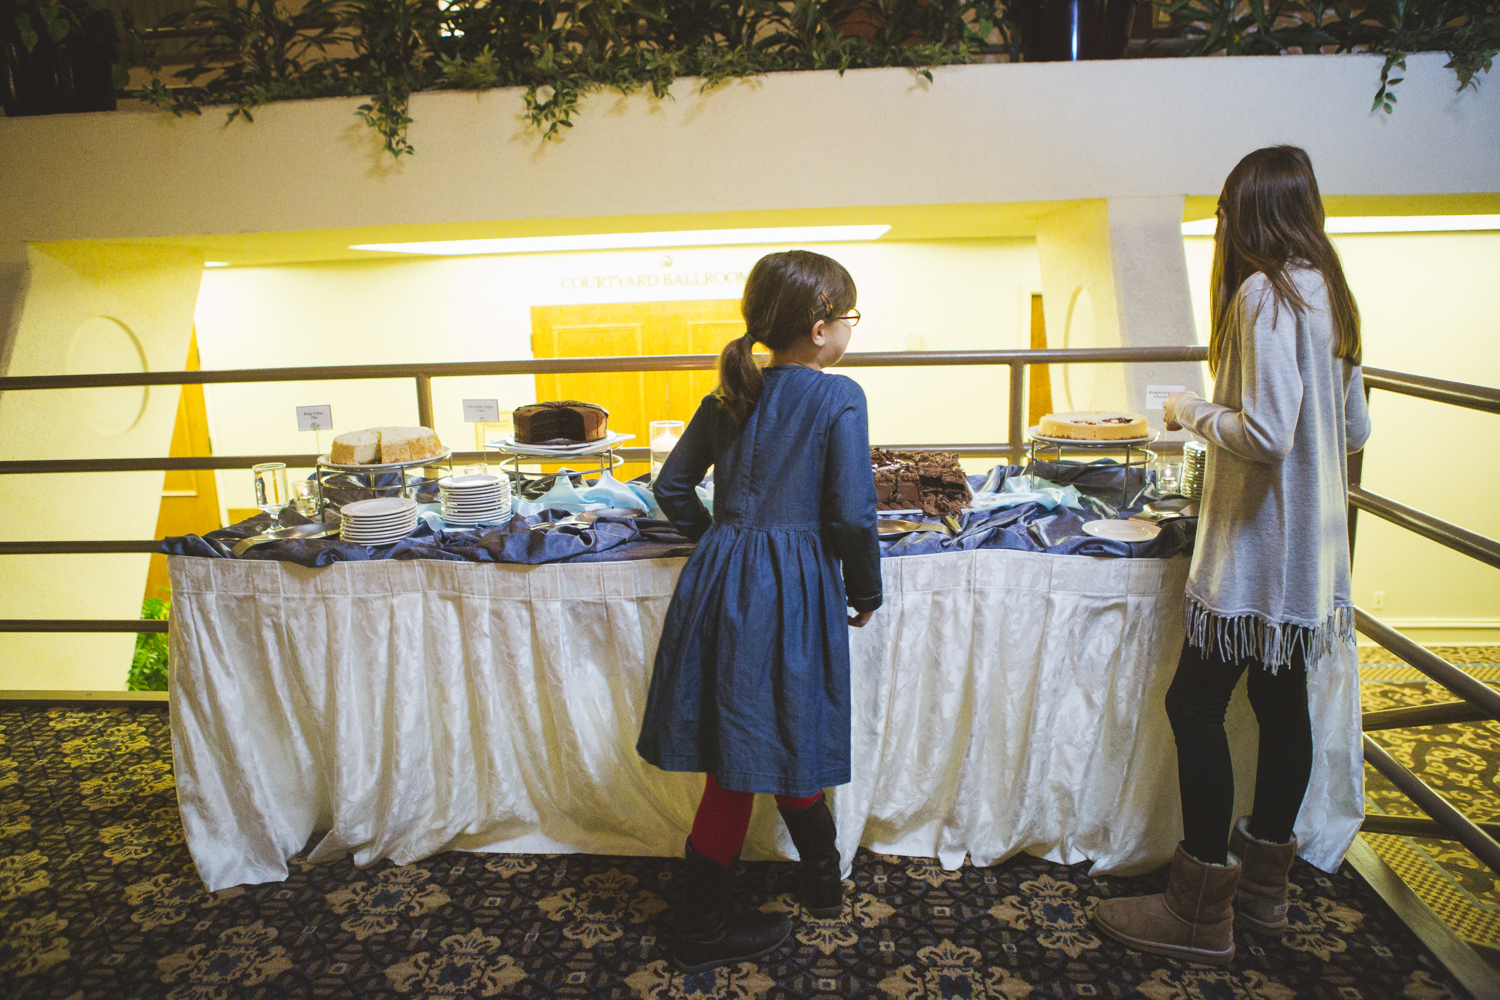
[{"x": 1237, "y": 637}]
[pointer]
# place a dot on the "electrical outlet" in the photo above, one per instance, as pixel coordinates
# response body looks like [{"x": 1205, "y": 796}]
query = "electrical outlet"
[{"x": 1379, "y": 601}]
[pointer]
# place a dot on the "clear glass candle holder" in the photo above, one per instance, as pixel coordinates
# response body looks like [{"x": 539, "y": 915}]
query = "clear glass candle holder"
[
  {"x": 664, "y": 437},
  {"x": 305, "y": 498}
]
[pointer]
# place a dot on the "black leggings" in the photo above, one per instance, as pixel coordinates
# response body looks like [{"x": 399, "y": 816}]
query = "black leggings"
[{"x": 1196, "y": 703}]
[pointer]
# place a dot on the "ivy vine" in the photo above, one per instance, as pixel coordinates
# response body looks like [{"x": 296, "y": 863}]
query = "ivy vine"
[{"x": 246, "y": 53}]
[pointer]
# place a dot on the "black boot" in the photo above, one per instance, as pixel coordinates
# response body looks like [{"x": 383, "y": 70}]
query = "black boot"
[
  {"x": 708, "y": 932},
  {"x": 813, "y": 832}
]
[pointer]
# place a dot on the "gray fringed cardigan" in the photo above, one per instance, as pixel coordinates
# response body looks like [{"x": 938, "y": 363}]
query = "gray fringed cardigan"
[{"x": 1270, "y": 569}]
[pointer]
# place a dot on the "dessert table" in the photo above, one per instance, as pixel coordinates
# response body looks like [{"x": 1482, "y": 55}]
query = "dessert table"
[{"x": 1004, "y": 701}]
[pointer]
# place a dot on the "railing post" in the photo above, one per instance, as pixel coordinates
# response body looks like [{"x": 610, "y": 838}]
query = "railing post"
[
  {"x": 1355, "y": 464},
  {"x": 424, "y": 400},
  {"x": 1017, "y": 433}
]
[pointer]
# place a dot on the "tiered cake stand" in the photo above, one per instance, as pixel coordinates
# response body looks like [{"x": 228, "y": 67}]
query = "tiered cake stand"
[
  {"x": 1137, "y": 454},
  {"x": 341, "y": 484},
  {"x": 582, "y": 460}
]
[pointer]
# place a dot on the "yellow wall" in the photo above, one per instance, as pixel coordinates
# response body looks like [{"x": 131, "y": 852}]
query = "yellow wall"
[
  {"x": 88, "y": 311},
  {"x": 1431, "y": 306},
  {"x": 919, "y": 296}
]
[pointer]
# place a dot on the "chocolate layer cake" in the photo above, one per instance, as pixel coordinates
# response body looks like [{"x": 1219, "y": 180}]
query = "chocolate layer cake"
[
  {"x": 566, "y": 421},
  {"x": 931, "y": 481}
]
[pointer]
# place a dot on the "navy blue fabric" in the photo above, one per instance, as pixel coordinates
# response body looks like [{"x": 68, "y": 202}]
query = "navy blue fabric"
[
  {"x": 1029, "y": 527},
  {"x": 609, "y": 539},
  {"x": 751, "y": 680}
]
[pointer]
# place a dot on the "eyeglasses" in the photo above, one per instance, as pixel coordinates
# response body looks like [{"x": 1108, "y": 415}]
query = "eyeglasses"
[{"x": 852, "y": 318}]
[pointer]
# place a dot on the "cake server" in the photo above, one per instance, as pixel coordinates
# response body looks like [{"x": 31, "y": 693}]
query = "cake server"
[
  {"x": 316, "y": 529},
  {"x": 887, "y": 526}
]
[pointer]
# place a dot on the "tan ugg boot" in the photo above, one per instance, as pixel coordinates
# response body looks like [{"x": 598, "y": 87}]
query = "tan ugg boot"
[
  {"x": 1260, "y": 904},
  {"x": 1193, "y": 919}
]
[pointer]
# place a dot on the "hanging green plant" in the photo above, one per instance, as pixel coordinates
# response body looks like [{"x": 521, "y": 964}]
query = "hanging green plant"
[
  {"x": 250, "y": 52},
  {"x": 1468, "y": 30}
]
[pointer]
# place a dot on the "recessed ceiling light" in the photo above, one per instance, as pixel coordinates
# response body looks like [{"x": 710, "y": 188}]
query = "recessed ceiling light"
[
  {"x": 216, "y": 263},
  {"x": 1339, "y": 224},
  {"x": 636, "y": 241}
]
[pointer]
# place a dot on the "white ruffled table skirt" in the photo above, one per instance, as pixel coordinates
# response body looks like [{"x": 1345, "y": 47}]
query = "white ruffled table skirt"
[{"x": 1003, "y": 701}]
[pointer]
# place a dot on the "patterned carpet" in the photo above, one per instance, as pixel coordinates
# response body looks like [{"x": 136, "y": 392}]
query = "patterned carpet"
[
  {"x": 98, "y": 898},
  {"x": 1463, "y": 762}
]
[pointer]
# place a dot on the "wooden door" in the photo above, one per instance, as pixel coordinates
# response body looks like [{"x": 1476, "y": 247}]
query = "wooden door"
[
  {"x": 189, "y": 500},
  {"x": 634, "y": 329}
]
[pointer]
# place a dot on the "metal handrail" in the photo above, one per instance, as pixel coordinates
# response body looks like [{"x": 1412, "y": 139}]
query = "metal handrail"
[
  {"x": 1470, "y": 397},
  {"x": 587, "y": 366},
  {"x": 1459, "y": 826},
  {"x": 84, "y": 625},
  {"x": 423, "y": 374},
  {"x": 1470, "y": 543},
  {"x": 41, "y": 466},
  {"x": 1480, "y": 700}
]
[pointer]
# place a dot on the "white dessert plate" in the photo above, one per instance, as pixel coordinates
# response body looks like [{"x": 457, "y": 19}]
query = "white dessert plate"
[
  {"x": 1034, "y": 432},
  {"x": 384, "y": 524},
  {"x": 441, "y": 456},
  {"x": 368, "y": 535},
  {"x": 485, "y": 504},
  {"x": 478, "y": 491},
  {"x": 510, "y": 444},
  {"x": 380, "y": 527},
  {"x": 378, "y": 506},
  {"x": 1122, "y": 531},
  {"x": 469, "y": 481}
]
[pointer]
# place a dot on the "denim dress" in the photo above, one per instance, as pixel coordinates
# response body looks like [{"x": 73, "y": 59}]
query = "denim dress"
[{"x": 751, "y": 682}]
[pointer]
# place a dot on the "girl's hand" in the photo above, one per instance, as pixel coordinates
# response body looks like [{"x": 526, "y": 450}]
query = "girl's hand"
[
  {"x": 1169, "y": 410},
  {"x": 861, "y": 620}
]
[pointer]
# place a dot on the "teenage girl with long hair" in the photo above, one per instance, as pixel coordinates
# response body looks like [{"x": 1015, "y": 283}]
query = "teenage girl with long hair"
[
  {"x": 1268, "y": 590},
  {"x": 751, "y": 680}
]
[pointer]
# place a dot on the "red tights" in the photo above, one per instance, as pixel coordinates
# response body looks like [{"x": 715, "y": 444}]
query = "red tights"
[{"x": 724, "y": 816}]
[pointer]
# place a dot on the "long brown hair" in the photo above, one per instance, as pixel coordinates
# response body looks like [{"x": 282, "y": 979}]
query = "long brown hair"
[
  {"x": 785, "y": 294},
  {"x": 1271, "y": 217}
]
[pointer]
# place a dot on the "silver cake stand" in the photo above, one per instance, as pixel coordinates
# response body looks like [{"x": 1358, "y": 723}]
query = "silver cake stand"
[
  {"x": 339, "y": 484},
  {"x": 594, "y": 460},
  {"x": 1137, "y": 454}
]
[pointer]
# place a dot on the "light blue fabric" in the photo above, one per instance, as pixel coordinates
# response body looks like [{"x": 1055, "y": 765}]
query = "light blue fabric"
[
  {"x": 610, "y": 492},
  {"x": 562, "y": 496},
  {"x": 1016, "y": 490}
]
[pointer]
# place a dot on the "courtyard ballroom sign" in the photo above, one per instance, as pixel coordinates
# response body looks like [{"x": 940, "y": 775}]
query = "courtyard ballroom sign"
[{"x": 595, "y": 282}]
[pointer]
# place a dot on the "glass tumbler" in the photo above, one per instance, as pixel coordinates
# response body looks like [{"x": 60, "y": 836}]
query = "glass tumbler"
[
  {"x": 664, "y": 437},
  {"x": 271, "y": 490},
  {"x": 305, "y": 498}
]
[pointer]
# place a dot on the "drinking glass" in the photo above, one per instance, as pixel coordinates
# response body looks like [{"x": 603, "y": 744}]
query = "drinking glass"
[
  {"x": 664, "y": 437},
  {"x": 271, "y": 491},
  {"x": 486, "y": 431}
]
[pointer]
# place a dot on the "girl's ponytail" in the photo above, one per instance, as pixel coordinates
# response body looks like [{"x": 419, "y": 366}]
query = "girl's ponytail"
[
  {"x": 739, "y": 378},
  {"x": 785, "y": 294}
]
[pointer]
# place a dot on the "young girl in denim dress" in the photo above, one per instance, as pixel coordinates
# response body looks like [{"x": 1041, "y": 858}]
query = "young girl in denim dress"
[{"x": 751, "y": 680}]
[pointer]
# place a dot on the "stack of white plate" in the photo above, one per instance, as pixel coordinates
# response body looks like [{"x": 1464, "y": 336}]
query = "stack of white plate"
[
  {"x": 474, "y": 499},
  {"x": 1194, "y": 469},
  {"x": 377, "y": 522}
]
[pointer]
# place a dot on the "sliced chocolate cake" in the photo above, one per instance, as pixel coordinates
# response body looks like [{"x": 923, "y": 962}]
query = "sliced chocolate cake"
[{"x": 930, "y": 481}]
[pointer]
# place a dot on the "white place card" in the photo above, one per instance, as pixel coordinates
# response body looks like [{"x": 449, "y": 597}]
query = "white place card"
[
  {"x": 315, "y": 418},
  {"x": 1156, "y": 395},
  {"x": 481, "y": 411}
]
